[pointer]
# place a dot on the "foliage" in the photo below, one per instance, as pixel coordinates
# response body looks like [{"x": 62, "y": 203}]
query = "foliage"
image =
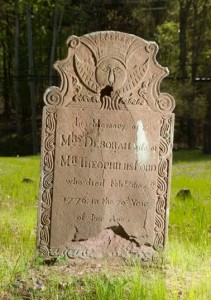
[{"x": 185, "y": 273}]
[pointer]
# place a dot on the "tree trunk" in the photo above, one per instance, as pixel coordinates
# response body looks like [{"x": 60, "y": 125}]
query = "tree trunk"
[
  {"x": 16, "y": 72},
  {"x": 6, "y": 94},
  {"x": 31, "y": 74},
  {"x": 207, "y": 126},
  {"x": 207, "y": 138},
  {"x": 56, "y": 28},
  {"x": 183, "y": 22},
  {"x": 199, "y": 23}
]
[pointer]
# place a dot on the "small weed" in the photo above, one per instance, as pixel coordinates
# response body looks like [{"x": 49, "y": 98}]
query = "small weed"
[{"x": 61, "y": 259}]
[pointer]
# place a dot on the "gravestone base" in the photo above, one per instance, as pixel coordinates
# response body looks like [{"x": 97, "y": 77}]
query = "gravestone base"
[{"x": 108, "y": 244}]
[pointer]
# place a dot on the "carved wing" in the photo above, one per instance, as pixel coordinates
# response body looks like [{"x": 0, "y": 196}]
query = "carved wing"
[
  {"x": 85, "y": 74},
  {"x": 134, "y": 78}
]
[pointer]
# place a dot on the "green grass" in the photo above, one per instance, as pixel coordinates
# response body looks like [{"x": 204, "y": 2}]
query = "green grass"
[{"x": 185, "y": 273}]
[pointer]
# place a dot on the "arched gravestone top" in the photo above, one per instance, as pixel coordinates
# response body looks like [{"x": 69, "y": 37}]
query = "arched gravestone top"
[{"x": 107, "y": 139}]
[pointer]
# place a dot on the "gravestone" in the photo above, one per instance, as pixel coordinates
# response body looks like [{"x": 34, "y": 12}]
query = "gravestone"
[{"x": 107, "y": 139}]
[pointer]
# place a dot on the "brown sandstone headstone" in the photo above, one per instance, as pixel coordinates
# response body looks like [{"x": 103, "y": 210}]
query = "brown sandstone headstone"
[{"x": 106, "y": 151}]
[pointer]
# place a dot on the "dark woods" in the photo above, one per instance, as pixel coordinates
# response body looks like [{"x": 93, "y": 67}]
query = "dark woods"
[{"x": 33, "y": 35}]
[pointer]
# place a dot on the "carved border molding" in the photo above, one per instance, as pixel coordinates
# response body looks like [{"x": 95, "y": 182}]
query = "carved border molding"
[
  {"x": 165, "y": 149},
  {"x": 46, "y": 197}
]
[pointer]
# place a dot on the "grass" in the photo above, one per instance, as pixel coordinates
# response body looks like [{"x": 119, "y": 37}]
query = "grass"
[{"x": 185, "y": 273}]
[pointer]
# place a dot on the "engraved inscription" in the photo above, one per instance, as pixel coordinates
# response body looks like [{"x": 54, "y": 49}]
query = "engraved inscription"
[
  {"x": 129, "y": 201},
  {"x": 88, "y": 141},
  {"x": 99, "y": 124},
  {"x": 83, "y": 146},
  {"x": 83, "y": 162},
  {"x": 88, "y": 182},
  {"x": 114, "y": 183}
]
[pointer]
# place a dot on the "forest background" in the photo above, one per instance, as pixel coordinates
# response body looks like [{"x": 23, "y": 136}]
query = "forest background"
[{"x": 33, "y": 35}]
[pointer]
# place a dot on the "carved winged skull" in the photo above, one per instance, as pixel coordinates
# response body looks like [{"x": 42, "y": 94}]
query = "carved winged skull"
[{"x": 110, "y": 77}]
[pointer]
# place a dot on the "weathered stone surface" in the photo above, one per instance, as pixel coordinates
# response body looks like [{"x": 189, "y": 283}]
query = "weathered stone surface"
[{"x": 106, "y": 151}]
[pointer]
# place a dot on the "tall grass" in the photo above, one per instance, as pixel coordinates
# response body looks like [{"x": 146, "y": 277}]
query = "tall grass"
[
  {"x": 19, "y": 180},
  {"x": 185, "y": 273}
]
